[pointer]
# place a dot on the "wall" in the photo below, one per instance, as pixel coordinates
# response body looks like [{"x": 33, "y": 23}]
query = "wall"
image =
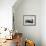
[
  {"x": 6, "y": 13},
  {"x": 28, "y": 7},
  {"x": 43, "y": 22}
]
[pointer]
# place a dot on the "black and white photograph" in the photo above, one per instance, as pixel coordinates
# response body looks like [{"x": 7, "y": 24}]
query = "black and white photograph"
[{"x": 29, "y": 20}]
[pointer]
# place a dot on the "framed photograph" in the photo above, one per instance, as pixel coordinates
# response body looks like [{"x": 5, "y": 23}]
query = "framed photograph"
[{"x": 29, "y": 20}]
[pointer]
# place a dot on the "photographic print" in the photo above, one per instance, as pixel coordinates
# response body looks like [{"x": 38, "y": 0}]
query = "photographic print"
[{"x": 29, "y": 20}]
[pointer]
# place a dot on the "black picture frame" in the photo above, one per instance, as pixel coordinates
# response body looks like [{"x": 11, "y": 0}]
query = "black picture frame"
[{"x": 29, "y": 20}]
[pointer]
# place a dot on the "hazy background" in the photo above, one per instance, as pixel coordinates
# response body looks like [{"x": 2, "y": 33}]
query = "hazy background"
[
  {"x": 6, "y": 13},
  {"x": 6, "y": 19}
]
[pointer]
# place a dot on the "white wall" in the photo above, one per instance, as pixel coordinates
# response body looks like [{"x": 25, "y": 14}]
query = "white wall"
[
  {"x": 43, "y": 22},
  {"x": 6, "y": 13},
  {"x": 28, "y": 7}
]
